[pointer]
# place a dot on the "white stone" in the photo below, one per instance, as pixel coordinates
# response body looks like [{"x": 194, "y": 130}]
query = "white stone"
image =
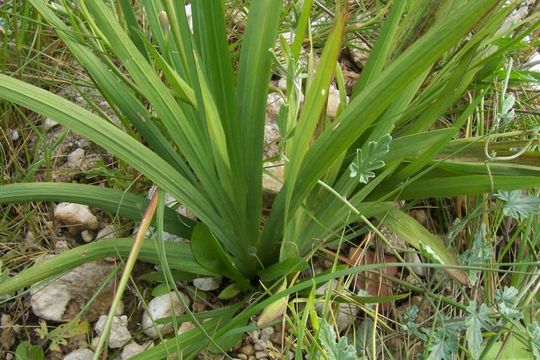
[
  {"x": 49, "y": 124},
  {"x": 346, "y": 315},
  {"x": 272, "y": 136},
  {"x": 14, "y": 135},
  {"x": 76, "y": 215},
  {"x": 160, "y": 307},
  {"x": 75, "y": 159},
  {"x": 272, "y": 181},
  {"x": 274, "y": 101},
  {"x": 119, "y": 332},
  {"x": 359, "y": 51},
  {"x": 130, "y": 350},
  {"x": 207, "y": 283},
  {"x": 333, "y": 102},
  {"x": 412, "y": 257},
  {"x": 61, "y": 246},
  {"x": 80, "y": 354},
  {"x": 108, "y": 232},
  {"x": 49, "y": 300},
  {"x": 87, "y": 236},
  {"x": 185, "y": 327}
]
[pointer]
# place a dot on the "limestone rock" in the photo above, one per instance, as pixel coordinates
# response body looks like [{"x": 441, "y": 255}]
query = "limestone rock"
[
  {"x": 76, "y": 216},
  {"x": 130, "y": 350},
  {"x": 80, "y": 354},
  {"x": 119, "y": 332},
  {"x": 63, "y": 298},
  {"x": 207, "y": 283},
  {"x": 160, "y": 307},
  {"x": 75, "y": 159}
]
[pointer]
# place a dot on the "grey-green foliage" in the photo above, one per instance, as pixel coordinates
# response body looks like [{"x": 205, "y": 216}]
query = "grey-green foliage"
[
  {"x": 335, "y": 350},
  {"x": 443, "y": 344},
  {"x": 517, "y": 205},
  {"x": 369, "y": 158},
  {"x": 477, "y": 320},
  {"x": 506, "y": 302},
  {"x": 478, "y": 253}
]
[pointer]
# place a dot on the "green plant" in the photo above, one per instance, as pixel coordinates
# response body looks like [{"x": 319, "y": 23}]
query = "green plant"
[{"x": 193, "y": 124}]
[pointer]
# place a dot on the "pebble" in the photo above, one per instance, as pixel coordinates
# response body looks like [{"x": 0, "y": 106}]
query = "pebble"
[
  {"x": 207, "y": 283},
  {"x": 78, "y": 217},
  {"x": 49, "y": 124},
  {"x": 333, "y": 102},
  {"x": 130, "y": 350},
  {"x": 108, "y": 232},
  {"x": 87, "y": 236},
  {"x": 185, "y": 327},
  {"x": 261, "y": 355},
  {"x": 61, "y": 246},
  {"x": 260, "y": 346},
  {"x": 160, "y": 307},
  {"x": 242, "y": 356},
  {"x": 119, "y": 332},
  {"x": 267, "y": 333},
  {"x": 346, "y": 316},
  {"x": 75, "y": 159},
  {"x": 80, "y": 354},
  {"x": 247, "y": 350},
  {"x": 63, "y": 298},
  {"x": 14, "y": 135}
]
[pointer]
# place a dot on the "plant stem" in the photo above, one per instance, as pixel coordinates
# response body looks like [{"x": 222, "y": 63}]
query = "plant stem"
[{"x": 130, "y": 263}]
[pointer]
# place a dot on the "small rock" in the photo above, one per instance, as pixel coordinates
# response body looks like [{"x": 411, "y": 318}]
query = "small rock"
[
  {"x": 412, "y": 257},
  {"x": 80, "y": 354},
  {"x": 260, "y": 346},
  {"x": 75, "y": 159},
  {"x": 242, "y": 356},
  {"x": 274, "y": 102},
  {"x": 346, "y": 316},
  {"x": 87, "y": 236},
  {"x": 261, "y": 355},
  {"x": 63, "y": 298},
  {"x": 61, "y": 246},
  {"x": 49, "y": 124},
  {"x": 162, "y": 307},
  {"x": 359, "y": 52},
  {"x": 420, "y": 216},
  {"x": 14, "y": 135},
  {"x": 333, "y": 102},
  {"x": 185, "y": 327},
  {"x": 78, "y": 217},
  {"x": 267, "y": 333},
  {"x": 130, "y": 350},
  {"x": 207, "y": 283},
  {"x": 247, "y": 350},
  {"x": 108, "y": 232},
  {"x": 119, "y": 332},
  {"x": 273, "y": 182},
  {"x": 271, "y": 140},
  {"x": 255, "y": 335}
]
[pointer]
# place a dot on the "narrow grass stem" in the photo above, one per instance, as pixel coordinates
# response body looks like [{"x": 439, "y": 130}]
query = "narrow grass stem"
[{"x": 130, "y": 263}]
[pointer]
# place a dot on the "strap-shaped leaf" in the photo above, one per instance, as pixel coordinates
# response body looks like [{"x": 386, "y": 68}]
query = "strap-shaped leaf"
[
  {"x": 113, "y": 201},
  {"x": 116, "y": 142},
  {"x": 179, "y": 258},
  {"x": 209, "y": 253},
  {"x": 428, "y": 244}
]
